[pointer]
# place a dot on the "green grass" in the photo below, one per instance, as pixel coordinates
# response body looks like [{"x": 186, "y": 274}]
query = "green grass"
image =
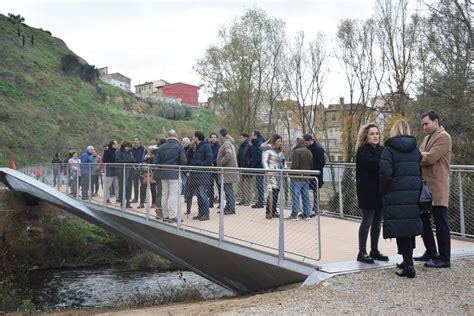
[{"x": 43, "y": 110}]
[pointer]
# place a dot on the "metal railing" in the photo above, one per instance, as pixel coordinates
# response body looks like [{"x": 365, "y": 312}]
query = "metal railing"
[
  {"x": 250, "y": 207},
  {"x": 339, "y": 195}
]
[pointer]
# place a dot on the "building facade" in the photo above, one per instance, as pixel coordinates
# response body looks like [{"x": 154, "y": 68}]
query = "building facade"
[
  {"x": 116, "y": 79},
  {"x": 186, "y": 93},
  {"x": 150, "y": 88}
]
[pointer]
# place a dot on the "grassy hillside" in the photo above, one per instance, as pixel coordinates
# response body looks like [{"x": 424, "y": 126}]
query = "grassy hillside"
[{"x": 44, "y": 110}]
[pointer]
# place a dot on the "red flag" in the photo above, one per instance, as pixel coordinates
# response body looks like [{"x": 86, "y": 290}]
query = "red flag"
[{"x": 12, "y": 162}]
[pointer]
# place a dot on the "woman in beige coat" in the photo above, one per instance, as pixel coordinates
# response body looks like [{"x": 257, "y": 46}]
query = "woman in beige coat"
[{"x": 227, "y": 158}]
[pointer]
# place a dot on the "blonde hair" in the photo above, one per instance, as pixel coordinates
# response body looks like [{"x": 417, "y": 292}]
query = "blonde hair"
[
  {"x": 363, "y": 132},
  {"x": 400, "y": 128}
]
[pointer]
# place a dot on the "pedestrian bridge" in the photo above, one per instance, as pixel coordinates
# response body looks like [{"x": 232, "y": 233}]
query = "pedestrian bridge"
[{"x": 244, "y": 252}]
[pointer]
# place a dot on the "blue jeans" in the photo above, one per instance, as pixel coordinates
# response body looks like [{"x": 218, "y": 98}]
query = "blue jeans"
[
  {"x": 230, "y": 198},
  {"x": 260, "y": 180},
  {"x": 299, "y": 188},
  {"x": 203, "y": 199}
]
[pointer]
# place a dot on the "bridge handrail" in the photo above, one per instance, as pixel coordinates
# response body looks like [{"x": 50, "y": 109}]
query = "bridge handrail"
[{"x": 282, "y": 178}]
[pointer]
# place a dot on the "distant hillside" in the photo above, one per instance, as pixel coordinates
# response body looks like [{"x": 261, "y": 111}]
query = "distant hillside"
[{"x": 43, "y": 110}]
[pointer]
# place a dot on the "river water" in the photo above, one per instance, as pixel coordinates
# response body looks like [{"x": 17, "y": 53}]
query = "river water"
[{"x": 109, "y": 287}]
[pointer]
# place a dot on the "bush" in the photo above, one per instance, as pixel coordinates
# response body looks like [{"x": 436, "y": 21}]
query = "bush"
[
  {"x": 88, "y": 73},
  {"x": 175, "y": 112},
  {"x": 26, "y": 306},
  {"x": 70, "y": 64},
  {"x": 149, "y": 261}
]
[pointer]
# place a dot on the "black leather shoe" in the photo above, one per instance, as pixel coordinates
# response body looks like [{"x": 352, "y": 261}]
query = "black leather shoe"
[
  {"x": 227, "y": 212},
  {"x": 201, "y": 217},
  {"x": 425, "y": 257},
  {"x": 376, "y": 255},
  {"x": 408, "y": 271},
  {"x": 437, "y": 263},
  {"x": 364, "y": 258},
  {"x": 257, "y": 205},
  {"x": 401, "y": 265}
]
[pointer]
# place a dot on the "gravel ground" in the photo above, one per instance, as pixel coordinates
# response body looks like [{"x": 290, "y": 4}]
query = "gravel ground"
[
  {"x": 441, "y": 292},
  {"x": 433, "y": 291}
]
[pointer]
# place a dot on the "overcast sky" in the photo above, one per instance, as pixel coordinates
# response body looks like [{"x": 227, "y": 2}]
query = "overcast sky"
[{"x": 149, "y": 40}]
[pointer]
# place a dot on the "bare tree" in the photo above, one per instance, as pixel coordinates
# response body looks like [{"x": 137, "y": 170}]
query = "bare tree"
[
  {"x": 397, "y": 35},
  {"x": 354, "y": 50},
  {"x": 274, "y": 81},
  {"x": 305, "y": 76},
  {"x": 239, "y": 69}
]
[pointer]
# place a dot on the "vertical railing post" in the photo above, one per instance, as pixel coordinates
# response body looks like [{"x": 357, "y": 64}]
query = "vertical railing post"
[
  {"x": 148, "y": 192},
  {"x": 123, "y": 188},
  {"x": 341, "y": 206},
  {"x": 67, "y": 179},
  {"x": 89, "y": 190},
  {"x": 461, "y": 206},
  {"x": 221, "y": 204},
  {"x": 281, "y": 226},
  {"x": 318, "y": 218},
  {"x": 104, "y": 187},
  {"x": 77, "y": 182},
  {"x": 59, "y": 176},
  {"x": 178, "y": 210}
]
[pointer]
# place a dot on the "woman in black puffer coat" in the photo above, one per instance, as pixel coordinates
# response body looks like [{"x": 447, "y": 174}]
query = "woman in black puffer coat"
[{"x": 400, "y": 184}]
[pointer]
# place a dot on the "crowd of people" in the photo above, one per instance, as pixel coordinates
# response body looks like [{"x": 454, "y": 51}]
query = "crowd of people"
[
  {"x": 389, "y": 181},
  {"x": 218, "y": 150}
]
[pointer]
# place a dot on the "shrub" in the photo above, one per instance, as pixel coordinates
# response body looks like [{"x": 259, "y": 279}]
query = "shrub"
[
  {"x": 70, "y": 64},
  {"x": 88, "y": 73},
  {"x": 175, "y": 112},
  {"x": 26, "y": 306},
  {"x": 149, "y": 261}
]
